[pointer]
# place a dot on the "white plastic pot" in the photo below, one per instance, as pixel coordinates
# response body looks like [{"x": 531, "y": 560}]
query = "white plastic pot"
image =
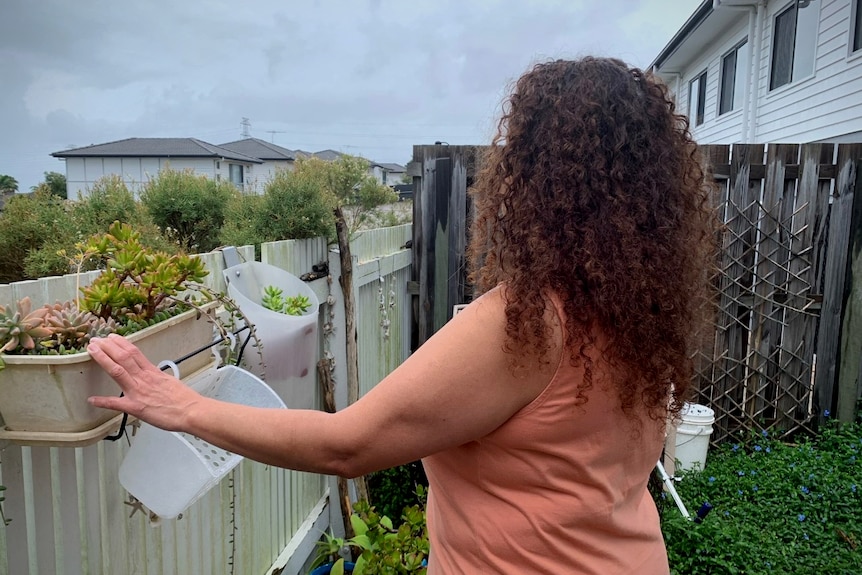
[
  {"x": 168, "y": 471},
  {"x": 290, "y": 343}
]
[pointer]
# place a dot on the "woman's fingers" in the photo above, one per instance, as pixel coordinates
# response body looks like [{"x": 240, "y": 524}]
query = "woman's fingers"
[{"x": 149, "y": 394}]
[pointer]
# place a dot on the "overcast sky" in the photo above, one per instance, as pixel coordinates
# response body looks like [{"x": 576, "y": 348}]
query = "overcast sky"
[{"x": 367, "y": 77}]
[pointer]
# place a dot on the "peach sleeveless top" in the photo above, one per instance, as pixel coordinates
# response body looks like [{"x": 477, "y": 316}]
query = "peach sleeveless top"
[{"x": 558, "y": 488}]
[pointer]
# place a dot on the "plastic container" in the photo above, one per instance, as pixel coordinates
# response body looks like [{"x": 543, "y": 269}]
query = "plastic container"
[
  {"x": 48, "y": 393},
  {"x": 289, "y": 343},
  {"x": 692, "y": 436},
  {"x": 167, "y": 471}
]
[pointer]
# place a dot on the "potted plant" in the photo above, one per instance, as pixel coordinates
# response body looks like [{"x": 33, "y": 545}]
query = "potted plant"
[
  {"x": 46, "y": 374},
  {"x": 378, "y": 546}
]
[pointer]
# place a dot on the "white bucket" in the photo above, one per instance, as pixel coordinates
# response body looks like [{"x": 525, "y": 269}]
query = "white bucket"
[
  {"x": 168, "y": 471},
  {"x": 692, "y": 436}
]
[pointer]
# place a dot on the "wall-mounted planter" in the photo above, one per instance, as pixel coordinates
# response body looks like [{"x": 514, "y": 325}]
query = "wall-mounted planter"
[
  {"x": 42, "y": 395},
  {"x": 289, "y": 343}
]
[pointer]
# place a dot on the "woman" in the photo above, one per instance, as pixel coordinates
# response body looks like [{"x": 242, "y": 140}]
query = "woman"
[{"x": 539, "y": 410}]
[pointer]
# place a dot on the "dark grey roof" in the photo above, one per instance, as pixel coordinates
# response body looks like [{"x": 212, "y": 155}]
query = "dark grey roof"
[
  {"x": 390, "y": 167},
  {"x": 259, "y": 149},
  {"x": 156, "y": 148},
  {"x": 327, "y": 155}
]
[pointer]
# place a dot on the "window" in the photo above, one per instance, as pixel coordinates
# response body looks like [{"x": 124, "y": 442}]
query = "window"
[
  {"x": 733, "y": 77},
  {"x": 236, "y": 175},
  {"x": 857, "y": 25},
  {"x": 794, "y": 42},
  {"x": 697, "y": 99}
]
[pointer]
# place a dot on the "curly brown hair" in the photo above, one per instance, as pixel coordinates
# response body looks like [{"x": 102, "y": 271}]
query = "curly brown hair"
[{"x": 593, "y": 189}]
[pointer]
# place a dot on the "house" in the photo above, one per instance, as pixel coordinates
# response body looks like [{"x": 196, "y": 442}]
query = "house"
[
  {"x": 248, "y": 163},
  {"x": 387, "y": 174},
  {"x": 768, "y": 71},
  {"x": 273, "y": 157},
  {"x": 137, "y": 159}
]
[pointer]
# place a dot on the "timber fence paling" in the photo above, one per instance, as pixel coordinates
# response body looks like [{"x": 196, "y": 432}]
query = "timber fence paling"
[
  {"x": 829, "y": 330},
  {"x": 796, "y": 355}
]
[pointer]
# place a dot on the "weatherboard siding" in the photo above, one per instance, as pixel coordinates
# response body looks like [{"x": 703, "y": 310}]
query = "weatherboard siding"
[
  {"x": 715, "y": 128},
  {"x": 82, "y": 173},
  {"x": 823, "y": 106}
]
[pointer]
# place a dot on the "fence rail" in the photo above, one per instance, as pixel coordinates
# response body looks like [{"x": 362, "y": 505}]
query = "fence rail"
[{"x": 70, "y": 516}]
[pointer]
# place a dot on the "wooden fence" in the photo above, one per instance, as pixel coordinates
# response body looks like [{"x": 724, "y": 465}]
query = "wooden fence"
[
  {"x": 789, "y": 277},
  {"x": 70, "y": 516}
]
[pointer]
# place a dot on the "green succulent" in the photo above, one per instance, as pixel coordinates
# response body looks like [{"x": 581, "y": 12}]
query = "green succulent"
[
  {"x": 273, "y": 299},
  {"x": 136, "y": 283}
]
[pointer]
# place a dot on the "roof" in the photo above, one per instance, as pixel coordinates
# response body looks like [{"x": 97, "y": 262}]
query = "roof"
[
  {"x": 156, "y": 148},
  {"x": 390, "y": 167},
  {"x": 257, "y": 148},
  {"x": 327, "y": 155}
]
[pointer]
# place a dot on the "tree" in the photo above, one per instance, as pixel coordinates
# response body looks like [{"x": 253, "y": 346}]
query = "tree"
[
  {"x": 189, "y": 208},
  {"x": 8, "y": 184},
  {"x": 346, "y": 182},
  {"x": 54, "y": 184}
]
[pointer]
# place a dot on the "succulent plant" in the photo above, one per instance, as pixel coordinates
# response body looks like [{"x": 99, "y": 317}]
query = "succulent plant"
[
  {"x": 23, "y": 328},
  {"x": 72, "y": 329},
  {"x": 273, "y": 299},
  {"x": 138, "y": 287},
  {"x": 136, "y": 283}
]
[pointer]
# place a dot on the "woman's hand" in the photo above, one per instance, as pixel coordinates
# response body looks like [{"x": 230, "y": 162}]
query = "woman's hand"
[{"x": 149, "y": 393}]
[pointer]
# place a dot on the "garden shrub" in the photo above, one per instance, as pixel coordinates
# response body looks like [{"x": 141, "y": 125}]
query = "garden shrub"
[
  {"x": 26, "y": 224},
  {"x": 391, "y": 490},
  {"x": 294, "y": 207},
  {"x": 240, "y": 220},
  {"x": 107, "y": 201},
  {"x": 790, "y": 508},
  {"x": 188, "y": 208}
]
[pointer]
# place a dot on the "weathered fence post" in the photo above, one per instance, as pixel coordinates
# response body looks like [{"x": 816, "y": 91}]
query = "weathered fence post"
[
  {"x": 835, "y": 277},
  {"x": 850, "y": 367}
]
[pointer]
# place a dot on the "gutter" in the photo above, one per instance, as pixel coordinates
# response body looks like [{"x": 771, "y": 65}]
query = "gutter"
[{"x": 695, "y": 20}]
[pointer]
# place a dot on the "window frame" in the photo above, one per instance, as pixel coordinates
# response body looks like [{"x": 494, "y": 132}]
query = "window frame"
[
  {"x": 232, "y": 168},
  {"x": 794, "y": 6},
  {"x": 700, "y": 112},
  {"x": 721, "y": 79},
  {"x": 855, "y": 38}
]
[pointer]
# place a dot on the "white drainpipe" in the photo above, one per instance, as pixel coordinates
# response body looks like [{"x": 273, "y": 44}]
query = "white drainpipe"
[{"x": 756, "y": 10}]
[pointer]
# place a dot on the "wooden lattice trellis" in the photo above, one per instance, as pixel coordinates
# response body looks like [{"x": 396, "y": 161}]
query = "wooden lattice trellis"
[{"x": 781, "y": 229}]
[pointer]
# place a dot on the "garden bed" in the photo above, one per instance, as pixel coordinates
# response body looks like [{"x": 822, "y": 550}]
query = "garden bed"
[{"x": 790, "y": 508}]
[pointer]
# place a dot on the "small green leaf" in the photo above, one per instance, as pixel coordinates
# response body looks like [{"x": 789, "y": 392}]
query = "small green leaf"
[{"x": 337, "y": 568}]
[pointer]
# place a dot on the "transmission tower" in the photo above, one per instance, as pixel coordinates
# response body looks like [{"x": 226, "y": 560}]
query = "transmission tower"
[{"x": 246, "y": 128}]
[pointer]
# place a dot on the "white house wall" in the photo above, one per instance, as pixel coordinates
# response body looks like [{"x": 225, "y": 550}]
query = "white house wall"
[
  {"x": 715, "y": 128},
  {"x": 82, "y": 173},
  {"x": 263, "y": 173},
  {"x": 824, "y": 106}
]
